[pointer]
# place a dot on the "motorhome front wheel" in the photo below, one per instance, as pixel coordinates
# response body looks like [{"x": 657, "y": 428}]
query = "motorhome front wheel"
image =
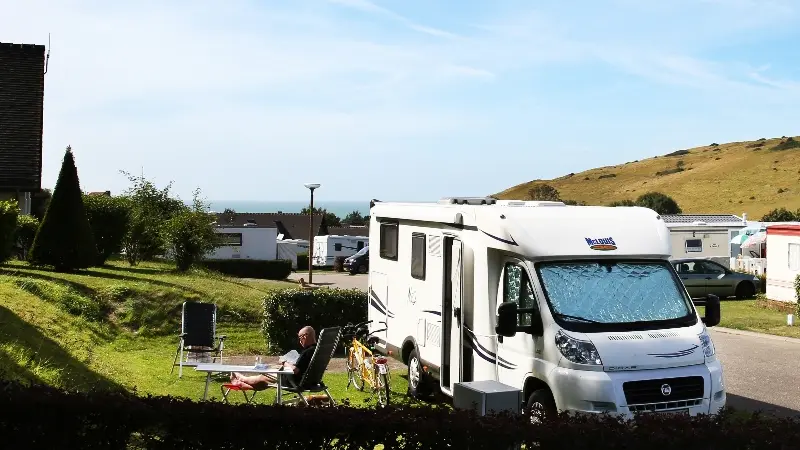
[{"x": 540, "y": 405}]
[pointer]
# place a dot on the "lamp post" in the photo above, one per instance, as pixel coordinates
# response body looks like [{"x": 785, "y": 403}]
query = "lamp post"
[{"x": 311, "y": 187}]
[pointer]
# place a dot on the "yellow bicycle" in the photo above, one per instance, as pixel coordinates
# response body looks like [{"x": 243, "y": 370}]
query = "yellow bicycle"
[{"x": 363, "y": 366}]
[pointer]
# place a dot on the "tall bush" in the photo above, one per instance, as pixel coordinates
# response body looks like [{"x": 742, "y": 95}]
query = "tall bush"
[
  {"x": 9, "y": 210},
  {"x": 27, "y": 226},
  {"x": 151, "y": 208},
  {"x": 288, "y": 310},
  {"x": 658, "y": 202},
  {"x": 65, "y": 240},
  {"x": 189, "y": 235},
  {"x": 108, "y": 217}
]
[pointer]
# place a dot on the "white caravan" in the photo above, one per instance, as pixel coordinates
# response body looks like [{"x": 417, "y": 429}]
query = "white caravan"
[
  {"x": 577, "y": 306},
  {"x": 327, "y": 248}
]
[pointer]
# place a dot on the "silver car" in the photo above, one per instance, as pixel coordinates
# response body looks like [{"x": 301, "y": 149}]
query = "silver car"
[{"x": 703, "y": 276}]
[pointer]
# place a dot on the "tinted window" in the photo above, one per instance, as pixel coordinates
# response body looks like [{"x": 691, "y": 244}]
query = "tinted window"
[
  {"x": 418, "y": 256},
  {"x": 388, "y": 241},
  {"x": 518, "y": 289}
]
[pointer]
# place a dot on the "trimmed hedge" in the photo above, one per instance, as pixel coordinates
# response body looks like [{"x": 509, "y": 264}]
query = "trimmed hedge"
[
  {"x": 35, "y": 418},
  {"x": 277, "y": 269},
  {"x": 288, "y": 310}
]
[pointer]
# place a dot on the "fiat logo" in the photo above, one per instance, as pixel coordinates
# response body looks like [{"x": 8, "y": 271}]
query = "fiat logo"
[{"x": 666, "y": 390}]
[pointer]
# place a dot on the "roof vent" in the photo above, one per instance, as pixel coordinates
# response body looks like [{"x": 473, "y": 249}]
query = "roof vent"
[
  {"x": 528, "y": 203},
  {"x": 468, "y": 201}
]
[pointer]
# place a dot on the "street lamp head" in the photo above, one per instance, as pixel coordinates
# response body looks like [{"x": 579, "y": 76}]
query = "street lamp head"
[{"x": 312, "y": 185}]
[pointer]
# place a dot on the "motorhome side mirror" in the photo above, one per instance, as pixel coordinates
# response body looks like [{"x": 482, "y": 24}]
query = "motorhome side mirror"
[
  {"x": 713, "y": 311},
  {"x": 506, "y": 319}
]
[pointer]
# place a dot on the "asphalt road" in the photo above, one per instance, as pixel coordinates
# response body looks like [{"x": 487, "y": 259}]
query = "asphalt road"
[{"x": 761, "y": 372}]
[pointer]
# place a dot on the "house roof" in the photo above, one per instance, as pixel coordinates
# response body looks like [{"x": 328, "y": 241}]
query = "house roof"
[
  {"x": 349, "y": 231},
  {"x": 291, "y": 225},
  {"x": 21, "y": 112},
  {"x": 709, "y": 219}
]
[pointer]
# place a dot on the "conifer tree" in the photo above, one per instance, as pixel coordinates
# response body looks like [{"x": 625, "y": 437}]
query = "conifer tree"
[{"x": 65, "y": 240}]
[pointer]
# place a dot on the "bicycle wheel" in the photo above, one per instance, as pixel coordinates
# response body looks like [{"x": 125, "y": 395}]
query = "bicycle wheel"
[
  {"x": 354, "y": 370},
  {"x": 381, "y": 377}
]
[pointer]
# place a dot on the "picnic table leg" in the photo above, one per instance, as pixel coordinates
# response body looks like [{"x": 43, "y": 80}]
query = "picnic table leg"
[
  {"x": 208, "y": 381},
  {"x": 279, "y": 394}
]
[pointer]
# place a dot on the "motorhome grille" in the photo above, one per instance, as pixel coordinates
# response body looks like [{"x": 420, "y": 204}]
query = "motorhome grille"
[
  {"x": 435, "y": 245},
  {"x": 662, "y": 334},
  {"x": 666, "y": 406},
  {"x": 644, "y": 392}
]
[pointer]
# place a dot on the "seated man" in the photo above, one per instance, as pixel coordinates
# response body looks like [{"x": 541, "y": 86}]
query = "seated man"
[{"x": 308, "y": 342}]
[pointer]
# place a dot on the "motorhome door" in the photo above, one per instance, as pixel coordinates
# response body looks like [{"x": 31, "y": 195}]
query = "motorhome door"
[{"x": 451, "y": 315}]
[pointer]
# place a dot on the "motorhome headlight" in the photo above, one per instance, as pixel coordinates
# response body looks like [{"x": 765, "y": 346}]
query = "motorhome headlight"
[
  {"x": 579, "y": 352},
  {"x": 708, "y": 345}
]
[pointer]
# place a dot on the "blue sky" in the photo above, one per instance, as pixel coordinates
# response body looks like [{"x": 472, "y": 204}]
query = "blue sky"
[{"x": 399, "y": 99}]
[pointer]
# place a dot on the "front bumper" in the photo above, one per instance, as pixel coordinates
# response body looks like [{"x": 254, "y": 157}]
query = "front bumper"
[{"x": 605, "y": 392}]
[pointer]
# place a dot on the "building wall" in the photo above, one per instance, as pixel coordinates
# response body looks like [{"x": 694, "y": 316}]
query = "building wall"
[
  {"x": 21, "y": 113},
  {"x": 714, "y": 243},
  {"x": 783, "y": 264},
  {"x": 256, "y": 243}
]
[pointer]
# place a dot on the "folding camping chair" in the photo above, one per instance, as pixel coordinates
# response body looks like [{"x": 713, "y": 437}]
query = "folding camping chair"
[
  {"x": 311, "y": 382},
  {"x": 198, "y": 334}
]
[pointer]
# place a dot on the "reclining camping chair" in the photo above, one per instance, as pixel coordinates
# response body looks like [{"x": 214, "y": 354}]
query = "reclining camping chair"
[
  {"x": 198, "y": 334},
  {"x": 311, "y": 381}
]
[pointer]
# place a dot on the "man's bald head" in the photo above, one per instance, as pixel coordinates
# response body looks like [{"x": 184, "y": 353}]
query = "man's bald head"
[{"x": 307, "y": 336}]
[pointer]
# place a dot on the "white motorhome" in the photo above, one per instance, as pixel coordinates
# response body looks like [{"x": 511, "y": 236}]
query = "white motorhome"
[
  {"x": 577, "y": 306},
  {"x": 327, "y": 248}
]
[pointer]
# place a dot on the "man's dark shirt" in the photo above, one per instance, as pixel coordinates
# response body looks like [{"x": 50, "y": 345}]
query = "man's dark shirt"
[{"x": 302, "y": 363}]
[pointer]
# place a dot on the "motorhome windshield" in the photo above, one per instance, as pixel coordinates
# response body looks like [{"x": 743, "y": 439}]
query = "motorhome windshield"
[{"x": 614, "y": 295}]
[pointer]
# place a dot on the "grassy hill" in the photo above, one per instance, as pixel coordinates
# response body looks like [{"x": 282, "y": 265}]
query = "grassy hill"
[{"x": 753, "y": 177}]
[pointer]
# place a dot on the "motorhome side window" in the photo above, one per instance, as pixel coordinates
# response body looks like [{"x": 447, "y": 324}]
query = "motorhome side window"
[
  {"x": 418, "y": 256},
  {"x": 518, "y": 289},
  {"x": 388, "y": 243}
]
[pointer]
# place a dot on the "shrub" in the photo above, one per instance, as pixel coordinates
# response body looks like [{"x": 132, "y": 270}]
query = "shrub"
[
  {"x": 64, "y": 239},
  {"x": 338, "y": 264},
  {"x": 189, "y": 235},
  {"x": 109, "y": 218},
  {"x": 9, "y": 211},
  {"x": 678, "y": 153},
  {"x": 27, "y": 226},
  {"x": 119, "y": 419},
  {"x": 658, "y": 202},
  {"x": 288, "y": 310},
  {"x": 302, "y": 261},
  {"x": 543, "y": 192},
  {"x": 277, "y": 269},
  {"x": 625, "y": 202},
  {"x": 781, "y": 215},
  {"x": 669, "y": 171},
  {"x": 607, "y": 175},
  {"x": 787, "y": 144}
]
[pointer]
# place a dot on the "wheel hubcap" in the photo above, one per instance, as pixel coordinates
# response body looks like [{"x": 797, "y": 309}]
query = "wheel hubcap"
[{"x": 413, "y": 372}]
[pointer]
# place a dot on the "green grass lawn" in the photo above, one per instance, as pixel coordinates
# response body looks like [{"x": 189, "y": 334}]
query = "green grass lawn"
[
  {"x": 758, "y": 316},
  {"x": 117, "y": 326}
]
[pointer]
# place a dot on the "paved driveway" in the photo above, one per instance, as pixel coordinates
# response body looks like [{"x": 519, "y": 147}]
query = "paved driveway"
[
  {"x": 334, "y": 279},
  {"x": 761, "y": 373}
]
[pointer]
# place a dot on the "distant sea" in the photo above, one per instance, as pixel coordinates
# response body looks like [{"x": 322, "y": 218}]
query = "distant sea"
[{"x": 340, "y": 208}]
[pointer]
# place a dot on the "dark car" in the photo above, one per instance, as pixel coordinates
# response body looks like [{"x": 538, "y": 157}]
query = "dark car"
[
  {"x": 704, "y": 276},
  {"x": 358, "y": 263}
]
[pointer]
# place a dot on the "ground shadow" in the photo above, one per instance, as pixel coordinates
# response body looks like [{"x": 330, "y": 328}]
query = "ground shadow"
[
  {"x": 140, "y": 270},
  {"x": 751, "y": 405},
  {"x": 46, "y": 353}
]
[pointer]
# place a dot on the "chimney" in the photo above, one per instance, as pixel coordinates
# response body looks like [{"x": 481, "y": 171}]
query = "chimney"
[{"x": 744, "y": 218}]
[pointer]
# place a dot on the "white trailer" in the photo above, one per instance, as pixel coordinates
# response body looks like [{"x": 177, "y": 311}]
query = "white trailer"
[
  {"x": 327, "y": 248},
  {"x": 245, "y": 243},
  {"x": 577, "y": 306}
]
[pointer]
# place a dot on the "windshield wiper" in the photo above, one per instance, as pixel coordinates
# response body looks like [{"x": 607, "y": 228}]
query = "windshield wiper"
[{"x": 582, "y": 319}]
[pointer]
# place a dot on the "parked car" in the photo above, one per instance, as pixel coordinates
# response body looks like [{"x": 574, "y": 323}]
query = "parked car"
[
  {"x": 358, "y": 263},
  {"x": 703, "y": 277}
]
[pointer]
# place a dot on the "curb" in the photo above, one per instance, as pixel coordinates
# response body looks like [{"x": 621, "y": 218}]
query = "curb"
[{"x": 754, "y": 334}]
